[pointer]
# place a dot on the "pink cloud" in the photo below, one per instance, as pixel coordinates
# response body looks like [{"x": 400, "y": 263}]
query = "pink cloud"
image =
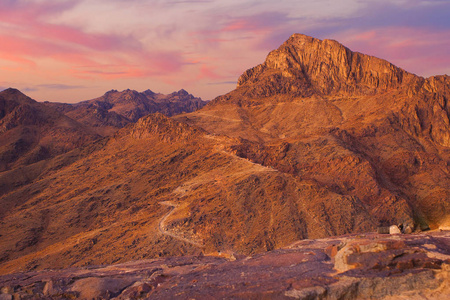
[
  {"x": 99, "y": 42},
  {"x": 420, "y": 51},
  {"x": 138, "y": 65},
  {"x": 37, "y": 39},
  {"x": 209, "y": 72},
  {"x": 25, "y": 51},
  {"x": 238, "y": 25},
  {"x": 245, "y": 27},
  {"x": 107, "y": 72},
  {"x": 19, "y": 11},
  {"x": 39, "y": 33},
  {"x": 104, "y": 58}
]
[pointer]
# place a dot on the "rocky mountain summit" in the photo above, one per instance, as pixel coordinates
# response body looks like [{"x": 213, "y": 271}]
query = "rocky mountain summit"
[{"x": 305, "y": 66}]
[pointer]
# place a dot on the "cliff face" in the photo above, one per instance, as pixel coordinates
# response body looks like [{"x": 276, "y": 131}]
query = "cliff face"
[
  {"x": 426, "y": 114},
  {"x": 305, "y": 65}
]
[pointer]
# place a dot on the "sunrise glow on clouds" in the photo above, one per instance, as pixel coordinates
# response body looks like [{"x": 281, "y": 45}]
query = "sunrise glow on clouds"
[{"x": 75, "y": 50}]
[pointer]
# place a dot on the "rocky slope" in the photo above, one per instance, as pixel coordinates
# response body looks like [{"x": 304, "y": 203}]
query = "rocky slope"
[
  {"x": 293, "y": 153},
  {"x": 31, "y": 131},
  {"x": 367, "y": 266},
  {"x": 355, "y": 124},
  {"x": 160, "y": 187}
]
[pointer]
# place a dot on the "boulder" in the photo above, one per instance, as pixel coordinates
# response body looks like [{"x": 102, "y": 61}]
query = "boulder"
[
  {"x": 103, "y": 288},
  {"x": 407, "y": 229},
  {"x": 394, "y": 230}
]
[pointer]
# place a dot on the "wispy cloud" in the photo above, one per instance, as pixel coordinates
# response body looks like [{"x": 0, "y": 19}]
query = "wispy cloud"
[
  {"x": 189, "y": 1},
  {"x": 407, "y": 47},
  {"x": 28, "y": 89},
  {"x": 36, "y": 40},
  {"x": 58, "y": 86},
  {"x": 223, "y": 82}
]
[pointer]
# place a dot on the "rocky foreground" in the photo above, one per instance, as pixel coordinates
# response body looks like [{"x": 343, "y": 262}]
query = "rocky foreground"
[{"x": 408, "y": 266}]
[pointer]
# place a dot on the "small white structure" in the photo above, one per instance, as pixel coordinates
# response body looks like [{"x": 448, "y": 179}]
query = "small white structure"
[{"x": 394, "y": 230}]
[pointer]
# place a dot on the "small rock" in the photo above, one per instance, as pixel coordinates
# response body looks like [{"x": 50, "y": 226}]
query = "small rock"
[
  {"x": 53, "y": 287},
  {"x": 407, "y": 230},
  {"x": 331, "y": 251},
  {"x": 316, "y": 292},
  {"x": 144, "y": 288},
  {"x": 104, "y": 288},
  {"x": 341, "y": 263},
  {"x": 136, "y": 291},
  {"x": 394, "y": 230},
  {"x": 49, "y": 289},
  {"x": 7, "y": 290}
]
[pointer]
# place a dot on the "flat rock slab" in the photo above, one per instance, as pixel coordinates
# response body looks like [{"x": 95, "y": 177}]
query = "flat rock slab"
[{"x": 346, "y": 267}]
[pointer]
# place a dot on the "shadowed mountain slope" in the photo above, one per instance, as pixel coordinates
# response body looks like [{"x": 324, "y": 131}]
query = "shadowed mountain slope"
[
  {"x": 30, "y": 131},
  {"x": 160, "y": 187}
]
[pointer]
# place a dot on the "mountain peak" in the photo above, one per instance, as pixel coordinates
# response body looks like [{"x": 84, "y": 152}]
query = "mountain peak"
[
  {"x": 111, "y": 91},
  {"x": 12, "y": 91},
  {"x": 181, "y": 92},
  {"x": 159, "y": 126},
  {"x": 12, "y": 94},
  {"x": 148, "y": 92},
  {"x": 305, "y": 65}
]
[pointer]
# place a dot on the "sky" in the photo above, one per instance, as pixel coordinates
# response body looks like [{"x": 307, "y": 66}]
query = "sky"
[{"x": 74, "y": 50}]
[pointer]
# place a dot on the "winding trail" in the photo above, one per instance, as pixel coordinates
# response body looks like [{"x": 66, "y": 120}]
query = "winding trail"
[
  {"x": 254, "y": 167},
  {"x": 164, "y": 231}
]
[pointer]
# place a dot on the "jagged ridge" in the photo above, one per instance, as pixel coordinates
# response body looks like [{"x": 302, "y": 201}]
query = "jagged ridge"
[
  {"x": 158, "y": 125},
  {"x": 305, "y": 65}
]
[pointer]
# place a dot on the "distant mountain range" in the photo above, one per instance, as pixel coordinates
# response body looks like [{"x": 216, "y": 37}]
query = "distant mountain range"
[
  {"x": 116, "y": 109},
  {"x": 317, "y": 141},
  {"x": 31, "y": 131}
]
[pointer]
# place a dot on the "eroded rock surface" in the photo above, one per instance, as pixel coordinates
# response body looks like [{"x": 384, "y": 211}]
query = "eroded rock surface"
[{"x": 346, "y": 267}]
